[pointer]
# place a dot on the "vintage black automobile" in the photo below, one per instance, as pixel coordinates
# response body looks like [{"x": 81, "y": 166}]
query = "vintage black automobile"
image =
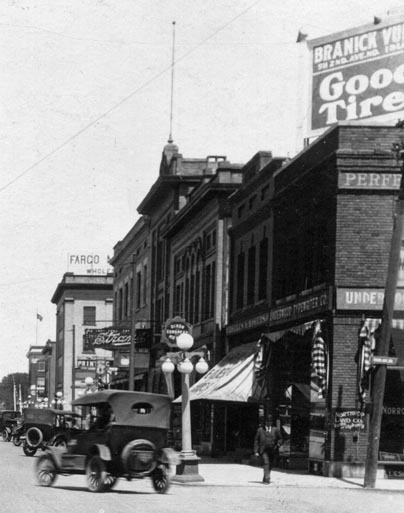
[
  {"x": 47, "y": 426},
  {"x": 126, "y": 437},
  {"x": 8, "y": 418}
]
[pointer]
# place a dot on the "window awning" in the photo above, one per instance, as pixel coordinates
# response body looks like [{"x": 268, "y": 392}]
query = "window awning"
[{"x": 233, "y": 379}]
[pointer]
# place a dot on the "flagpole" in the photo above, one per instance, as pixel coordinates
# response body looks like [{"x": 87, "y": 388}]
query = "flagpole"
[
  {"x": 20, "y": 398},
  {"x": 14, "y": 398}
]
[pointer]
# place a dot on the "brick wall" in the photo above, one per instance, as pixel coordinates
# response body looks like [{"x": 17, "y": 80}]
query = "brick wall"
[
  {"x": 346, "y": 446},
  {"x": 363, "y": 237}
]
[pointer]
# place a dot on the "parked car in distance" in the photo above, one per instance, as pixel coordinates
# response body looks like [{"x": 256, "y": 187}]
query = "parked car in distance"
[
  {"x": 126, "y": 436},
  {"x": 18, "y": 431},
  {"x": 8, "y": 418},
  {"x": 48, "y": 426}
]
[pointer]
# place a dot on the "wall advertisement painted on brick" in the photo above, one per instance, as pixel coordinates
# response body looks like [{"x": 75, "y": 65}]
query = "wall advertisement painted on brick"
[{"x": 358, "y": 75}]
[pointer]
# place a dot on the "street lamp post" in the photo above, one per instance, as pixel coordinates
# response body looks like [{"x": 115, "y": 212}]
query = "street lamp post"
[
  {"x": 89, "y": 381},
  {"x": 58, "y": 402},
  {"x": 187, "y": 471}
]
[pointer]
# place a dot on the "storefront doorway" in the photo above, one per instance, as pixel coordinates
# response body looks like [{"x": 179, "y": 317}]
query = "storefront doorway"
[{"x": 290, "y": 395}]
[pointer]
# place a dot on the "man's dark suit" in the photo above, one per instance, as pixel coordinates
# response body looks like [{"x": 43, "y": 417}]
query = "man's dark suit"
[{"x": 266, "y": 443}]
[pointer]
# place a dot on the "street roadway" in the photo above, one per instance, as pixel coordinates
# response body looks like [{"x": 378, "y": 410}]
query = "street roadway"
[{"x": 20, "y": 493}]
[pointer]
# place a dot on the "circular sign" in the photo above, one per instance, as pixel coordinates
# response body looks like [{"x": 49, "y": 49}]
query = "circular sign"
[{"x": 173, "y": 328}]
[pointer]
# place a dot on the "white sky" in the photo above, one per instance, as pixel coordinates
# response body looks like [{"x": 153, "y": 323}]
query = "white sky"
[{"x": 85, "y": 108}]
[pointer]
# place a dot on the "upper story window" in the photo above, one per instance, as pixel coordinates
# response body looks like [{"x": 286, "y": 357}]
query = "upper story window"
[
  {"x": 241, "y": 209},
  {"x": 251, "y": 202},
  {"x": 41, "y": 366},
  {"x": 264, "y": 192},
  {"x": 89, "y": 315}
]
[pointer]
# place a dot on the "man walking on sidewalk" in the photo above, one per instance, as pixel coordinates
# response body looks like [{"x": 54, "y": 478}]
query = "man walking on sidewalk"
[{"x": 267, "y": 441}]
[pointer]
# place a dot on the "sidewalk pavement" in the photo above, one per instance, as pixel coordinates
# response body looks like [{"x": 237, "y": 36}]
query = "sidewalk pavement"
[{"x": 216, "y": 472}]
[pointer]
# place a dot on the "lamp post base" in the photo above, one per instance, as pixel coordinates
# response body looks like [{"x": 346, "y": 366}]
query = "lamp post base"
[{"x": 187, "y": 470}]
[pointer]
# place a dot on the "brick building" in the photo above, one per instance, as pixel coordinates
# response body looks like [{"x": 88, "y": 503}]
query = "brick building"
[
  {"x": 332, "y": 210},
  {"x": 131, "y": 262}
]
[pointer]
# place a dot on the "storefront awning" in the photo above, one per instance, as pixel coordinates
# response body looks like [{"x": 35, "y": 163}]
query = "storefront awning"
[{"x": 233, "y": 379}]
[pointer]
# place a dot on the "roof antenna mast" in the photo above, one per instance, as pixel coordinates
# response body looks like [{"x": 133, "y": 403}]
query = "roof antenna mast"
[{"x": 170, "y": 137}]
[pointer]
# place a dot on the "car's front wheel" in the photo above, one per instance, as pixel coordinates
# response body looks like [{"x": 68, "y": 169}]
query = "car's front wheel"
[
  {"x": 28, "y": 450},
  {"x": 96, "y": 474},
  {"x": 46, "y": 471},
  {"x": 160, "y": 478},
  {"x": 6, "y": 435},
  {"x": 110, "y": 482},
  {"x": 16, "y": 440}
]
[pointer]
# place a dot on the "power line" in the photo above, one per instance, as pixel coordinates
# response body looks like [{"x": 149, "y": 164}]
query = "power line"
[{"x": 126, "y": 98}]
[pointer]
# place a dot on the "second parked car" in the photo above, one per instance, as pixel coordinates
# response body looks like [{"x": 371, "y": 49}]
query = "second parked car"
[
  {"x": 47, "y": 426},
  {"x": 8, "y": 418}
]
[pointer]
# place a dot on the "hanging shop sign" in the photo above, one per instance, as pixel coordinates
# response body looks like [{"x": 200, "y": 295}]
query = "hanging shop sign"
[
  {"x": 349, "y": 420},
  {"x": 106, "y": 338},
  {"x": 366, "y": 299},
  {"x": 358, "y": 74},
  {"x": 302, "y": 306},
  {"x": 112, "y": 338}
]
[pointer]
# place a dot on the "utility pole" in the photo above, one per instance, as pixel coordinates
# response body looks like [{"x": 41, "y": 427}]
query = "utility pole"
[
  {"x": 73, "y": 363},
  {"x": 383, "y": 341},
  {"x": 131, "y": 384}
]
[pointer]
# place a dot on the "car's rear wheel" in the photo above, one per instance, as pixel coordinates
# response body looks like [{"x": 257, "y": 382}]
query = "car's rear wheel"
[
  {"x": 46, "y": 471},
  {"x": 28, "y": 450},
  {"x": 161, "y": 479},
  {"x": 96, "y": 474},
  {"x": 60, "y": 442}
]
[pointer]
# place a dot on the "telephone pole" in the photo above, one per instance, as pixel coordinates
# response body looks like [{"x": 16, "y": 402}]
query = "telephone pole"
[{"x": 383, "y": 341}]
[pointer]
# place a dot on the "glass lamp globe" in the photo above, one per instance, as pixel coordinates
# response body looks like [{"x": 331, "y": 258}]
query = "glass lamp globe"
[
  {"x": 201, "y": 367},
  {"x": 89, "y": 381},
  {"x": 167, "y": 366},
  {"x": 185, "y": 367},
  {"x": 59, "y": 394},
  {"x": 185, "y": 341}
]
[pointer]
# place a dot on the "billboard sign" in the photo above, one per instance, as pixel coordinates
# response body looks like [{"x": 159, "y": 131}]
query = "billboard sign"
[
  {"x": 358, "y": 75},
  {"x": 88, "y": 262}
]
